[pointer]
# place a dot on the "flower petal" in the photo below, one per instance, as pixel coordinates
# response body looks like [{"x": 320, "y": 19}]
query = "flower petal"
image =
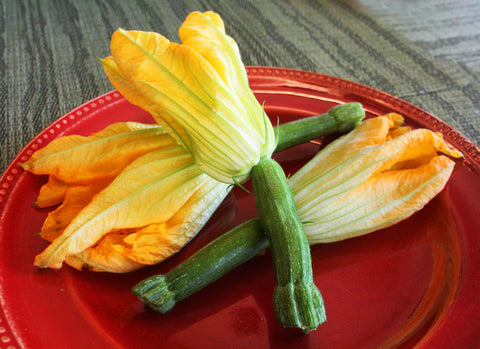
[
  {"x": 336, "y": 161},
  {"x": 131, "y": 93},
  {"x": 76, "y": 197},
  {"x": 104, "y": 256},
  {"x": 52, "y": 193},
  {"x": 82, "y": 160},
  {"x": 127, "y": 250},
  {"x": 205, "y": 33}
]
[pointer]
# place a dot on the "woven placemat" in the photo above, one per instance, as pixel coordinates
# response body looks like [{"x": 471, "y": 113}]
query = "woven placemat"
[
  {"x": 49, "y": 51},
  {"x": 447, "y": 29}
]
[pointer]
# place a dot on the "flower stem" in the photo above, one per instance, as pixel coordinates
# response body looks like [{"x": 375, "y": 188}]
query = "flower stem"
[{"x": 339, "y": 119}]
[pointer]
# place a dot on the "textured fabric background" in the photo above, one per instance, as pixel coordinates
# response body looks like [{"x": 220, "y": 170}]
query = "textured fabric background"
[
  {"x": 447, "y": 29},
  {"x": 426, "y": 52}
]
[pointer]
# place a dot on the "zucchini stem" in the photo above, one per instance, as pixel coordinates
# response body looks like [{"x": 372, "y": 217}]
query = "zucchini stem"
[{"x": 339, "y": 119}]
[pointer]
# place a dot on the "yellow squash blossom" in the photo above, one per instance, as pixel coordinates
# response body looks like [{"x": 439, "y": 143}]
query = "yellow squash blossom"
[
  {"x": 120, "y": 226},
  {"x": 198, "y": 91}
]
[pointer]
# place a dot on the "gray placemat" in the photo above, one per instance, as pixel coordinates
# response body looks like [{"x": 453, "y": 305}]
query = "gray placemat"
[
  {"x": 448, "y": 29},
  {"x": 49, "y": 51}
]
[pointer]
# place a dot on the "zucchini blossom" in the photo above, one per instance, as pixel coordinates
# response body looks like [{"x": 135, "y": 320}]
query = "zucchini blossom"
[
  {"x": 198, "y": 91},
  {"x": 114, "y": 215},
  {"x": 373, "y": 177}
]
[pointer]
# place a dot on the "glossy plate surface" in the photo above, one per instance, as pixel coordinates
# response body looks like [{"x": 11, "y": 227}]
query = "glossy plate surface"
[{"x": 414, "y": 284}]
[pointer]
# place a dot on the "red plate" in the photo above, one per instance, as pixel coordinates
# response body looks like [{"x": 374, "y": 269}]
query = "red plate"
[{"x": 414, "y": 284}]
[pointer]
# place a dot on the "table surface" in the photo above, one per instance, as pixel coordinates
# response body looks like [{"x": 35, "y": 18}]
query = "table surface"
[{"x": 426, "y": 52}]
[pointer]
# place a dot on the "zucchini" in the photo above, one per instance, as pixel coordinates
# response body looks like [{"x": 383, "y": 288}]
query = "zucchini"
[
  {"x": 296, "y": 299},
  {"x": 161, "y": 292},
  {"x": 223, "y": 254}
]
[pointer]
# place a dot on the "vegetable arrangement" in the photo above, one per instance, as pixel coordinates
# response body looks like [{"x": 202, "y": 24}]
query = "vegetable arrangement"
[
  {"x": 371, "y": 178},
  {"x": 132, "y": 194}
]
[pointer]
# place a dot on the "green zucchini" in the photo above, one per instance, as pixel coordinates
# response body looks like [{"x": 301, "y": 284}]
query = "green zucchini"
[
  {"x": 161, "y": 292},
  {"x": 223, "y": 254},
  {"x": 296, "y": 299}
]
